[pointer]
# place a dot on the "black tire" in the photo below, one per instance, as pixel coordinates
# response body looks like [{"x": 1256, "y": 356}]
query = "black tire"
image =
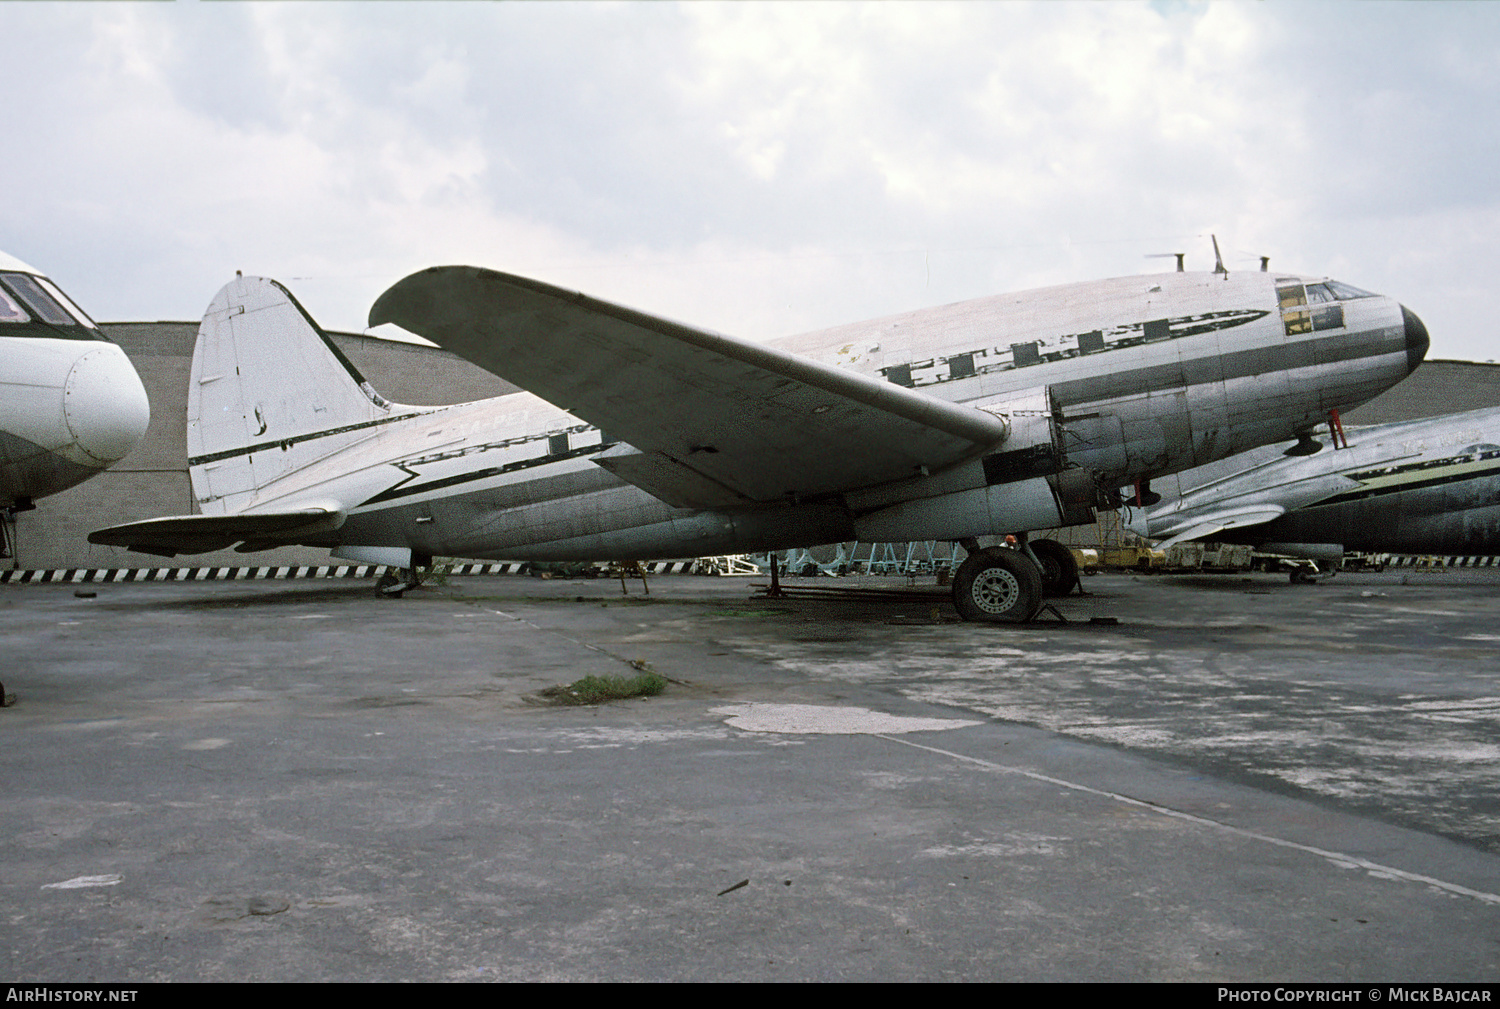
[
  {"x": 1059, "y": 567},
  {"x": 997, "y": 586}
]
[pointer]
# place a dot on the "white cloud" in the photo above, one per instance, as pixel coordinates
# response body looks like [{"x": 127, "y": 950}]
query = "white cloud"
[{"x": 755, "y": 168}]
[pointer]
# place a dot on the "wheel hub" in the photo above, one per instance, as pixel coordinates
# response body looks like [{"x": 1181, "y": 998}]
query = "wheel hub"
[{"x": 995, "y": 590}]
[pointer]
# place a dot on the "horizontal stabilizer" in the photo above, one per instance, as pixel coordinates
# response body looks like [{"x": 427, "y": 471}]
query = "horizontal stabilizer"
[
  {"x": 1208, "y": 525},
  {"x": 714, "y": 417},
  {"x": 200, "y": 534}
]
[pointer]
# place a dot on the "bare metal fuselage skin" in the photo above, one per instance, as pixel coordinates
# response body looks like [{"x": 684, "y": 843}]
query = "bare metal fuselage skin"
[
  {"x": 1119, "y": 380},
  {"x": 1426, "y": 487}
]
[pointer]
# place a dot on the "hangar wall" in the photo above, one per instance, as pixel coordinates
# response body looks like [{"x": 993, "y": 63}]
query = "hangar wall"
[
  {"x": 1436, "y": 388},
  {"x": 153, "y": 481}
]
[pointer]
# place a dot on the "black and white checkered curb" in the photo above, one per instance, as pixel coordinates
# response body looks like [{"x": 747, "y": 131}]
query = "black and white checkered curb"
[
  {"x": 86, "y": 575},
  {"x": 94, "y": 575},
  {"x": 1416, "y": 561}
]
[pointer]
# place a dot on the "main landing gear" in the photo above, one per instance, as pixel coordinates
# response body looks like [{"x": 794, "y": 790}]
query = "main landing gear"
[
  {"x": 1059, "y": 568},
  {"x": 1009, "y": 586},
  {"x": 396, "y": 581},
  {"x": 999, "y": 586}
]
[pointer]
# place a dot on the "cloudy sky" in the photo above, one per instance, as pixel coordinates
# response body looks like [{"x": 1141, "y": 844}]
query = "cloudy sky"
[{"x": 753, "y": 168}]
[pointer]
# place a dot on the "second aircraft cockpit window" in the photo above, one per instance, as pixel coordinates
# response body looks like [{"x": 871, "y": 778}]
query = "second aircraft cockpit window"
[{"x": 33, "y": 306}]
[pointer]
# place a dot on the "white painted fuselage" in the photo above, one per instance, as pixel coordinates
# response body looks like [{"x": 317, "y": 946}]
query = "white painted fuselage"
[{"x": 71, "y": 404}]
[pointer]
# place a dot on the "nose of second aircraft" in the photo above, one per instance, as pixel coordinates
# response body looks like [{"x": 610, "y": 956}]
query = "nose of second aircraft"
[
  {"x": 1417, "y": 340},
  {"x": 105, "y": 404}
]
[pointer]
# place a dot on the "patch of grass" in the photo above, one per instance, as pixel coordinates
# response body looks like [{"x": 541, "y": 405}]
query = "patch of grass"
[{"x": 598, "y": 689}]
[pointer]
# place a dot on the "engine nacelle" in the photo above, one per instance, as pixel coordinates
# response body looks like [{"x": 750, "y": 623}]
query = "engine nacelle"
[
  {"x": 1027, "y": 485},
  {"x": 1064, "y": 498}
]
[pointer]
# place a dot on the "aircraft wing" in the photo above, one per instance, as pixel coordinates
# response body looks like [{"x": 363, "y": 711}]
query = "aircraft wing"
[
  {"x": 708, "y": 420},
  {"x": 199, "y": 534},
  {"x": 1207, "y": 525}
]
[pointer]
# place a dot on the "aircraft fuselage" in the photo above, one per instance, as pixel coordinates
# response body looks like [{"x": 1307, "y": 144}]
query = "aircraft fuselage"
[
  {"x": 1121, "y": 379},
  {"x": 1427, "y": 487},
  {"x": 70, "y": 402}
]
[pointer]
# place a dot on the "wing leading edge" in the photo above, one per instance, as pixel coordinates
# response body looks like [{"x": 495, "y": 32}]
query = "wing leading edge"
[{"x": 711, "y": 420}]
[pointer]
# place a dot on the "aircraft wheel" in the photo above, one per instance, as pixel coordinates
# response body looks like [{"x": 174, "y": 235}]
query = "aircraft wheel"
[
  {"x": 997, "y": 586},
  {"x": 1059, "y": 568}
]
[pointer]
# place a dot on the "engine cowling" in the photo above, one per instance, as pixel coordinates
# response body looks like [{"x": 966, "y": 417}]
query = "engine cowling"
[{"x": 1028, "y": 484}]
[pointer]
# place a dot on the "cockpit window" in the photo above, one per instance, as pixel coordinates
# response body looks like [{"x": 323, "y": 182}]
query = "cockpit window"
[
  {"x": 10, "y": 309},
  {"x": 1314, "y": 307},
  {"x": 38, "y": 300},
  {"x": 37, "y": 309},
  {"x": 1347, "y": 292},
  {"x": 1293, "y": 301},
  {"x": 66, "y": 302},
  {"x": 1310, "y": 308}
]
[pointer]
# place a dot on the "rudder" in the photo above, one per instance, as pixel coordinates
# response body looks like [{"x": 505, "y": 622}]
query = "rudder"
[{"x": 268, "y": 394}]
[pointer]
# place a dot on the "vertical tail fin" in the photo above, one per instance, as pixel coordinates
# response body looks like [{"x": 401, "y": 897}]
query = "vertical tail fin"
[{"x": 269, "y": 393}]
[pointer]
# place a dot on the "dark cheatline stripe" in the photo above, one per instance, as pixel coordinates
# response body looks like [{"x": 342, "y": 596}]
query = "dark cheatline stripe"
[
  {"x": 266, "y": 446},
  {"x": 1239, "y": 364},
  {"x": 406, "y": 489},
  {"x": 1362, "y": 493}
]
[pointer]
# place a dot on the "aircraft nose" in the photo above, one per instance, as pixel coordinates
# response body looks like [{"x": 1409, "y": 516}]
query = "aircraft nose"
[
  {"x": 105, "y": 404},
  {"x": 1417, "y": 341}
]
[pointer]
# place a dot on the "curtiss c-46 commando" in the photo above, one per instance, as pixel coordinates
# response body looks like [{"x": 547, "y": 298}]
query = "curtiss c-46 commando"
[{"x": 641, "y": 438}]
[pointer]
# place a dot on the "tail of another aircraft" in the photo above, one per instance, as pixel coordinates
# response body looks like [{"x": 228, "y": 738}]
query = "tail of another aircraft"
[{"x": 269, "y": 394}]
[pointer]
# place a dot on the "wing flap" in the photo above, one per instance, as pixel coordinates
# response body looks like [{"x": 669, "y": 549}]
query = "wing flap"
[
  {"x": 200, "y": 534},
  {"x": 757, "y": 422},
  {"x": 667, "y": 479}
]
